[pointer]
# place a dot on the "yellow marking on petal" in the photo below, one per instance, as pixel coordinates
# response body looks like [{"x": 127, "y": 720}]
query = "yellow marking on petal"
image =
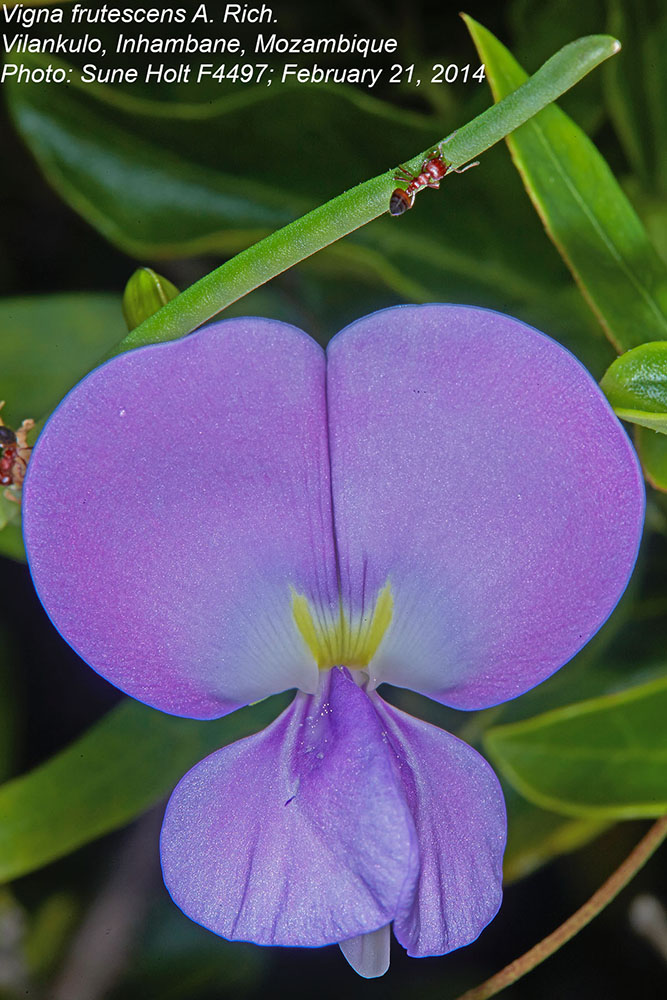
[
  {"x": 342, "y": 642},
  {"x": 305, "y": 624},
  {"x": 379, "y": 623}
]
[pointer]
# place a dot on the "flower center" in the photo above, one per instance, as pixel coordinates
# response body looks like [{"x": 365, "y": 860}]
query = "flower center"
[{"x": 343, "y": 642}]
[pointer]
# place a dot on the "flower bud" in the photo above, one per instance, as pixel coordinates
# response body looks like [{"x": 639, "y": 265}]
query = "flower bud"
[{"x": 144, "y": 294}]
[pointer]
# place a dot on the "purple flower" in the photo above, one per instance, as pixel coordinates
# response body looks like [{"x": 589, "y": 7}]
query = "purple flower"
[{"x": 443, "y": 501}]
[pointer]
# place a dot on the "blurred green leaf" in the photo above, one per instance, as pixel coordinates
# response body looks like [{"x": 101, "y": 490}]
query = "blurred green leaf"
[
  {"x": 48, "y": 931},
  {"x": 653, "y": 211},
  {"x": 539, "y": 26},
  {"x": 556, "y": 76},
  {"x": 605, "y": 758},
  {"x": 536, "y": 836},
  {"x": 636, "y": 386},
  {"x": 48, "y": 343},
  {"x": 11, "y": 536},
  {"x": 637, "y": 87},
  {"x": 652, "y": 449},
  {"x": 654, "y": 421},
  {"x": 177, "y": 959},
  {"x": 153, "y": 178},
  {"x": 584, "y": 211},
  {"x": 9, "y": 709},
  {"x": 120, "y": 767},
  {"x": 9, "y": 511}
]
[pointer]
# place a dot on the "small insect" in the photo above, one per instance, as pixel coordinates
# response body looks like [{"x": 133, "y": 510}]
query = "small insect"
[
  {"x": 433, "y": 170},
  {"x": 14, "y": 455}
]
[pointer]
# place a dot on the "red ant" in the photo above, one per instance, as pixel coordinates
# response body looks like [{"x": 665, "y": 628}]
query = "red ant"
[
  {"x": 433, "y": 170},
  {"x": 14, "y": 455}
]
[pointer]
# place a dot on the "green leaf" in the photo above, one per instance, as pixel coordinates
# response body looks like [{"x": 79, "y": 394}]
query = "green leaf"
[
  {"x": 120, "y": 767},
  {"x": 605, "y": 758},
  {"x": 638, "y": 379},
  {"x": 11, "y": 542},
  {"x": 11, "y": 536},
  {"x": 585, "y": 212},
  {"x": 9, "y": 707},
  {"x": 536, "y": 836},
  {"x": 537, "y": 26},
  {"x": 652, "y": 449},
  {"x": 654, "y": 421},
  {"x": 637, "y": 87},
  {"x": 10, "y": 512},
  {"x": 176, "y": 959},
  {"x": 48, "y": 343},
  {"x": 636, "y": 386},
  {"x": 48, "y": 932},
  {"x": 529, "y": 95}
]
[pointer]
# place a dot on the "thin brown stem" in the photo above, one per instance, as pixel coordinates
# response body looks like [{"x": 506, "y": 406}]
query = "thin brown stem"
[{"x": 604, "y": 895}]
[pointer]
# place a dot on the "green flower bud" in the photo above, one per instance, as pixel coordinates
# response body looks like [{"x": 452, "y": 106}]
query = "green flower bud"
[{"x": 144, "y": 294}]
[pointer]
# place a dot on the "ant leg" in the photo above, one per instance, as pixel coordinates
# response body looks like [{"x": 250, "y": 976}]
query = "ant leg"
[
  {"x": 19, "y": 469},
  {"x": 10, "y": 495},
  {"x": 447, "y": 138},
  {"x": 22, "y": 434},
  {"x": 468, "y": 166},
  {"x": 403, "y": 174}
]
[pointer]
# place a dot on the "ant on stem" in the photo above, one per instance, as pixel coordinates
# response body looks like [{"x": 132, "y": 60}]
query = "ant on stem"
[{"x": 434, "y": 168}]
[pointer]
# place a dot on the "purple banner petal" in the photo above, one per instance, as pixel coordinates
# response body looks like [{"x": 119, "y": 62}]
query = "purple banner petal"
[
  {"x": 299, "y": 835},
  {"x": 478, "y": 469},
  {"x": 172, "y": 500}
]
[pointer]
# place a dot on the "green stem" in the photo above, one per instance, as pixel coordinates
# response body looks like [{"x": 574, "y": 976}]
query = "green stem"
[
  {"x": 637, "y": 858},
  {"x": 341, "y": 216}
]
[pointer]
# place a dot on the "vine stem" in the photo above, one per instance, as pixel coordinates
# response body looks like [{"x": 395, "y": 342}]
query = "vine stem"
[{"x": 637, "y": 858}]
